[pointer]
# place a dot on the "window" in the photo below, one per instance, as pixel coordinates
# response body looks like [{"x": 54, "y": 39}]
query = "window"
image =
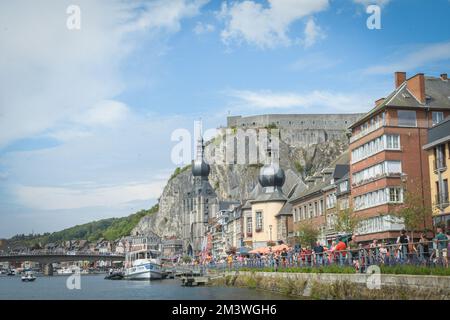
[
  {"x": 439, "y": 156},
  {"x": 321, "y": 207},
  {"x": 370, "y": 148},
  {"x": 379, "y": 197},
  {"x": 442, "y": 196},
  {"x": 331, "y": 200},
  {"x": 343, "y": 186},
  {"x": 437, "y": 117},
  {"x": 394, "y": 195},
  {"x": 406, "y": 118},
  {"x": 393, "y": 142},
  {"x": 310, "y": 210},
  {"x": 249, "y": 226},
  {"x": 376, "y": 171},
  {"x": 259, "y": 221},
  {"x": 316, "y": 209},
  {"x": 445, "y": 183}
]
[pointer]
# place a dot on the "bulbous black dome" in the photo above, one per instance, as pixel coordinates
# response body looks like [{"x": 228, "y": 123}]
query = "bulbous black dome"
[
  {"x": 271, "y": 175},
  {"x": 200, "y": 169}
]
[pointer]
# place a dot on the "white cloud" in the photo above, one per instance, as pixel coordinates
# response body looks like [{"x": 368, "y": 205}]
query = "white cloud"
[
  {"x": 312, "y": 33},
  {"x": 366, "y": 3},
  {"x": 60, "y": 198},
  {"x": 265, "y": 27},
  {"x": 316, "y": 101},
  {"x": 51, "y": 75},
  {"x": 202, "y": 28},
  {"x": 106, "y": 112},
  {"x": 165, "y": 15},
  {"x": 416, "y": 58}
]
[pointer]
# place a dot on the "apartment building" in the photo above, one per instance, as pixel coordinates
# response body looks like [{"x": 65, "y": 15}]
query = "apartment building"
[
  {"x": 317, "y": 204},
  {"x": 438, "y": 148},
  {"x": 387, "y": 159}
]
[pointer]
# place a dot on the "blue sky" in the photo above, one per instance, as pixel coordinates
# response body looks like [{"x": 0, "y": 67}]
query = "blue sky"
[{"x": 86, "y": 115}]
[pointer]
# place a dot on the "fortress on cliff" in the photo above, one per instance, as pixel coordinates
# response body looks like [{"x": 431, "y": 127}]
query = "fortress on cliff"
[{"x": 299, "y": 130}]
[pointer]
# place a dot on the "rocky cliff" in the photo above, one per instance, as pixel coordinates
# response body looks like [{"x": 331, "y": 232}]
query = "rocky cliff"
[{"x": 235, "y": 182}]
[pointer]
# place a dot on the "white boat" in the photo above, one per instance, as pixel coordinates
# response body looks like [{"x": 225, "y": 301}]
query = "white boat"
[
  {"x": 144, "y": 269},
  {"x": 142, "y": 260},
  {"x": 28, "y": 277},
  {"x": 67, "y": 271}
]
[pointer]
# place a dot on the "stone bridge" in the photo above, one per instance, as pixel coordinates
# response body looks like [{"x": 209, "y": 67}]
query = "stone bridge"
[{"x": 53, "y": 257}]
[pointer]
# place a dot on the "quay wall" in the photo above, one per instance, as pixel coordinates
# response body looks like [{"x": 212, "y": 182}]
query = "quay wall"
[{"x": 342, "y": 286}]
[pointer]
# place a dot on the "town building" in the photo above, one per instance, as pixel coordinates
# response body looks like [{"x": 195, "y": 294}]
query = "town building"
[
  {"x": 317, "y": 203},
  {"x": 387, "y": 159},
  {"x": 438, "y": 147}
]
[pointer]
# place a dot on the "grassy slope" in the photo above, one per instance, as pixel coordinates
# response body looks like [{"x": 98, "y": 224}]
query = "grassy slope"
[{"x": 109, "y": 229}]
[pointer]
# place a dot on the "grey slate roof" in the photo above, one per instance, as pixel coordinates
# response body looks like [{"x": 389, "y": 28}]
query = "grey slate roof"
[
  {"x": 437, "y": 92},
  {"x": 276, "y": 195},
  {"x": 286, "y": 210}
]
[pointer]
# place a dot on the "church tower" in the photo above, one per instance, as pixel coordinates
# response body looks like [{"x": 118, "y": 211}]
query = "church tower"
[{"x": 202, "y": 204}]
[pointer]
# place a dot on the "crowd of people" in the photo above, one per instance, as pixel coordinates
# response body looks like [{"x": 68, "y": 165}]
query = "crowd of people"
[{"x": 344, "y": 252}]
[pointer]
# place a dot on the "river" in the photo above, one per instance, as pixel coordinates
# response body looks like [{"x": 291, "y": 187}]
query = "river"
[{"x": 95, "y": 287}]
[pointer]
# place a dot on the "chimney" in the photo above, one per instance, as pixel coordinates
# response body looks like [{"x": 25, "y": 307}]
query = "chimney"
[
  {"x": 379, "y": 101},
  {"x": 416, "y": 85},
  {"x": 444, "y": 77},
  {"x": 400, "y": 77}
]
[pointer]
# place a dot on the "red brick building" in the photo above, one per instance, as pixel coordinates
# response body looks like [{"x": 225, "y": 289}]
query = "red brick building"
[{"x": 386, "y": 154}]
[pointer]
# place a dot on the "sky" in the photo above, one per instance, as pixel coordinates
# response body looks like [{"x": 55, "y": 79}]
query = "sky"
[{"x": 87, "y": 114}]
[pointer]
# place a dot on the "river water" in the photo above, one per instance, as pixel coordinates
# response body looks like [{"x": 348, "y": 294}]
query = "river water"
[{"x": 95, "y": 287}]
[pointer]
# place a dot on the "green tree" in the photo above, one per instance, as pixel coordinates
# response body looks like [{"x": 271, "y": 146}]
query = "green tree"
[
  {"x": 413, "y": 212},
  {"x": 307, "y": 234},
  {"x": 346, "y": 221}
]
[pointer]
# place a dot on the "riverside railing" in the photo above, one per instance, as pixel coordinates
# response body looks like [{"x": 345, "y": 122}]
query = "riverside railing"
[{"x": 431, "y": 255}]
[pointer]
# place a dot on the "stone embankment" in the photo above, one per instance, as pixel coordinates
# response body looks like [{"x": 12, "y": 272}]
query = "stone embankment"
[{"x": 342, "y": 286}]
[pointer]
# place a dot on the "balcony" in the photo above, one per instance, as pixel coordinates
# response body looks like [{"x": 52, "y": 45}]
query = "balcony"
[
  {"x": 441, "y": 201},
  {"x": 377, "y": 177},
  {"x": 368, "y": 130}
]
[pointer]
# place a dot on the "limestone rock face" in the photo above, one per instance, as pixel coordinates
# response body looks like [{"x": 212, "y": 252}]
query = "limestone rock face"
[{"x": 236, "y": 182}]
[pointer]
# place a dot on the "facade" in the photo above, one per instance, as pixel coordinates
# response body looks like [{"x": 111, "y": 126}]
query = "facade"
[
  {"x": 317, "y": 204},
  {"x": 387, "y": 159},
  {"x": 438, "y": 148},
  {"x": 172, "y": 248}
]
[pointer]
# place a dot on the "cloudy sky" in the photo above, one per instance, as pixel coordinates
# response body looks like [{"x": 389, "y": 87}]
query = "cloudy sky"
[{"x": 86, "y": 116}]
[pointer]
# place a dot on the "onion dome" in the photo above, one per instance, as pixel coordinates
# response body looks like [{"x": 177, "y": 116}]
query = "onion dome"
[
  {"x": 200, "y": 168},
  {"x": 271, "y": 175}
]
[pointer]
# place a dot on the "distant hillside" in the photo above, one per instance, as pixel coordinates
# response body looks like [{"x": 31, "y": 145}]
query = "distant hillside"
[{"x": 109, "y": 229}]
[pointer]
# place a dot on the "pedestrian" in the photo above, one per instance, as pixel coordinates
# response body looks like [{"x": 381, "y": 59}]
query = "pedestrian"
[
  {"x": 318, "y": 253},
  {"x": 403, "y": 246}
]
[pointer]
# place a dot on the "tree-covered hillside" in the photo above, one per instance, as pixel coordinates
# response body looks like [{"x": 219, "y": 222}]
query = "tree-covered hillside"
[{"x": 109, "y": 229}]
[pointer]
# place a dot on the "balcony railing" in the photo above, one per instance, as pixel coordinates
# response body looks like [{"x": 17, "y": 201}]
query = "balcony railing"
[
  {"x": 368, "y": 130},
  {"x": 441, "y": 201}
]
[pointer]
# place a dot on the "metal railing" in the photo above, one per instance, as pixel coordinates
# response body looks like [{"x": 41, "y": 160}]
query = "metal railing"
[{"x": 429, "y": 254}]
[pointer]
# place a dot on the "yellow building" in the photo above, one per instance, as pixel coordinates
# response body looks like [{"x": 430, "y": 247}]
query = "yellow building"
[{"x": 438, "y": 148}]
